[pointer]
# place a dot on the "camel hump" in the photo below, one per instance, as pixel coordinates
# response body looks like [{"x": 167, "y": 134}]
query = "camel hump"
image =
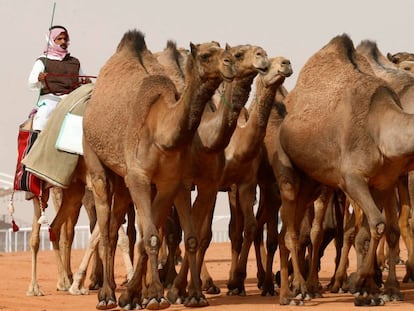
[
  {"x": 370, "y": 49},
  {"x": 177, "y": 56},
  {"x": 341, "y": 44},
  {"x": 134, "y": 41}
]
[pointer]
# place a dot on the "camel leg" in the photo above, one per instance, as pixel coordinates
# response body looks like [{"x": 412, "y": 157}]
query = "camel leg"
[
  {"x": 203, "y": 210},
  {"x": 405, "y": 207},
  {"x": 34, "y": 288},
  {"x": 100, "y": 185},
  {"x": 172, "y": 238},
  {"x": 409, "y": 264},
  {"x": 77, "y": 287},
  {"x": 316, "y": 234},
  {"x": 357, "y": 189},
  {"x": 391, "y": 286},
  {"x": 247, "y": 192},
  {"x": 177, "y": 293},
  {"x": 123, "y": 245},
  {"x": 69, "y": 202},
  {"x": 150, "y": 217},
  {"x": 341, "y": 272},
  {"x": 236, "y": 237},
  {"x": 269, "y": 204},
  {"x": 96, "y": 275}
]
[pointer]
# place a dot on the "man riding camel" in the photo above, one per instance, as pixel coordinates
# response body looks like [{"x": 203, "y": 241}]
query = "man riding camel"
[{"x": 54, "y": 74}]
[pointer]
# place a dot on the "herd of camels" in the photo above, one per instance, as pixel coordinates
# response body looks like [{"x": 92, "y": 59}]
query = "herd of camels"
[{"x": 161, "y": 125}]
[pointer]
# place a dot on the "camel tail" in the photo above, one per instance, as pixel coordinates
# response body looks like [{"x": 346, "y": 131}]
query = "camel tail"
[{"x": 134, "y": 41}]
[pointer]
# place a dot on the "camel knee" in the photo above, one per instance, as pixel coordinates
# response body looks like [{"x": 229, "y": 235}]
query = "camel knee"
[
  {"x": 393, "y": 236},
  {"x": 191, "y": 244},
  {"x": 287, "y": 190},
  {"x": 154, "y": 244},
  {"x": 380, "y": 229},
  {"x": 99, "y": 187},
  {"x": 250, "y": 231}
]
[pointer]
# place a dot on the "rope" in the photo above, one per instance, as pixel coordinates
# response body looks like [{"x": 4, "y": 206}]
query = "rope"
[{"x": 72, "y": 87}]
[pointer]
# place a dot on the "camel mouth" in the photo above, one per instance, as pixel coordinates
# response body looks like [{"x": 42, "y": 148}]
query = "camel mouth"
[
  {"x": 227, "y": 78},
  {"x": 286, "y": 74},
  {"x": 263, "y": 70}
]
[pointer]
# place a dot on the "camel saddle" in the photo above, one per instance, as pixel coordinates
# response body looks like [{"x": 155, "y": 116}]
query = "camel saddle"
[{"x": 44, "y": 160}]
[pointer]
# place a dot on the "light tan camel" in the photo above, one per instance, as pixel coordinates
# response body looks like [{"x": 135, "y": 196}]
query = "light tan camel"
[
  {"x": 206, "y": 161},
  {"x": 140, "y": 140},
  {"x": 324, "y": 141},
  {"x": 403, "y": 84}
]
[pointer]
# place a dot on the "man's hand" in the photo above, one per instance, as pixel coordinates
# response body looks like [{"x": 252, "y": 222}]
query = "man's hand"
[
  {"x": 42, "y": 76},
  {"x": 85, "y": 80}
]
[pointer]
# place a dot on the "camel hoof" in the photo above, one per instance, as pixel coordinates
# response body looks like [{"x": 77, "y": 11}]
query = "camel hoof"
[
  {"x": 78, "y": 291},
  {"x": 157, "y": 304},
  {"x": 173, "y": 297},
  {"x": 295, "y": 302},
  {"x": 236, "y": 292},
  {"x": 213, "y": 290},
  {"x": 366, "y": 301},
  {"x": 34, "y": 291},
  {"x": 103, "y": 305},
  {"x": 194, "y": 302}
]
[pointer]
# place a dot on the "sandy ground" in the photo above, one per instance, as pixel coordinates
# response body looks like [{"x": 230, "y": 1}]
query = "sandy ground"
[{"x": 15, "y": 269}]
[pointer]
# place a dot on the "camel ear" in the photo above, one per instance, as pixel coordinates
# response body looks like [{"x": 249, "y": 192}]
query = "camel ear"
[
  {"x": 391, "y": 57},
  {"x": 228, "y": 47},
  {"x": 215, "y": 42}
]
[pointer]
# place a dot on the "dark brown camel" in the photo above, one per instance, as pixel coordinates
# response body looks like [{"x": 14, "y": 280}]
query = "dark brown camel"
[
  {"x": 140, "y": 141},
  {"x": 351, "y": 146},
  {"x": 206, "y": 157}
]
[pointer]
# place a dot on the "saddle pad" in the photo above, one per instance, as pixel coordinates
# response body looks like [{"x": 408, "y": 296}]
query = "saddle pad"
[{"x": 70, "y": 135}]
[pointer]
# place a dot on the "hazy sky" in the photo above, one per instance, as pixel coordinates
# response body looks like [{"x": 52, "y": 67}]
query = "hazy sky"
[{"x": 294, "y": 29}]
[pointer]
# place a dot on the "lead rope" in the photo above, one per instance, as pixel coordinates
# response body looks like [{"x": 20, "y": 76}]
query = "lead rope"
[{"x": 11, "y": 211}]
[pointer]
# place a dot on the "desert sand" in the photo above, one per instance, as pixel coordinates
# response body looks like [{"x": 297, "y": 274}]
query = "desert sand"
[{"x": 15, "y": 269}]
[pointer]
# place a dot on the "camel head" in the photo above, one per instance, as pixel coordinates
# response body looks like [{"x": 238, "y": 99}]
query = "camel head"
[
  {"x": 211, "y": 61},
  {"x": 280, "y": 68},
  {"x": 400, "y": 56},
  {"x": 407, "y": 65},
  {"x": 249, "y": 59}
]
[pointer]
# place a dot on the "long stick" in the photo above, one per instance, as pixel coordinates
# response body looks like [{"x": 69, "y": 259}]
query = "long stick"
[
  {"x": 47, "y": 49},
  {"x": 51, "y": 24}
]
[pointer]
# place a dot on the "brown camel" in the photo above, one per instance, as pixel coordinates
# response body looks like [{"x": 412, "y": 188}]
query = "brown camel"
[
  {"x": 141, "y": 140},
  {"x": 243, "y": 157},
  {"x": 207, "y": 161},
  {"x": 173, "y": 61},
  {"x": 323, "y": 141},
  {"x": 269, "y": 201}
]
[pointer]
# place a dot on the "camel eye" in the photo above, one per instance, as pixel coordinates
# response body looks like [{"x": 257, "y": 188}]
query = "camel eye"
[
  {"x": 238, "y": 55},
  {"x": 205, "y": 56}
]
